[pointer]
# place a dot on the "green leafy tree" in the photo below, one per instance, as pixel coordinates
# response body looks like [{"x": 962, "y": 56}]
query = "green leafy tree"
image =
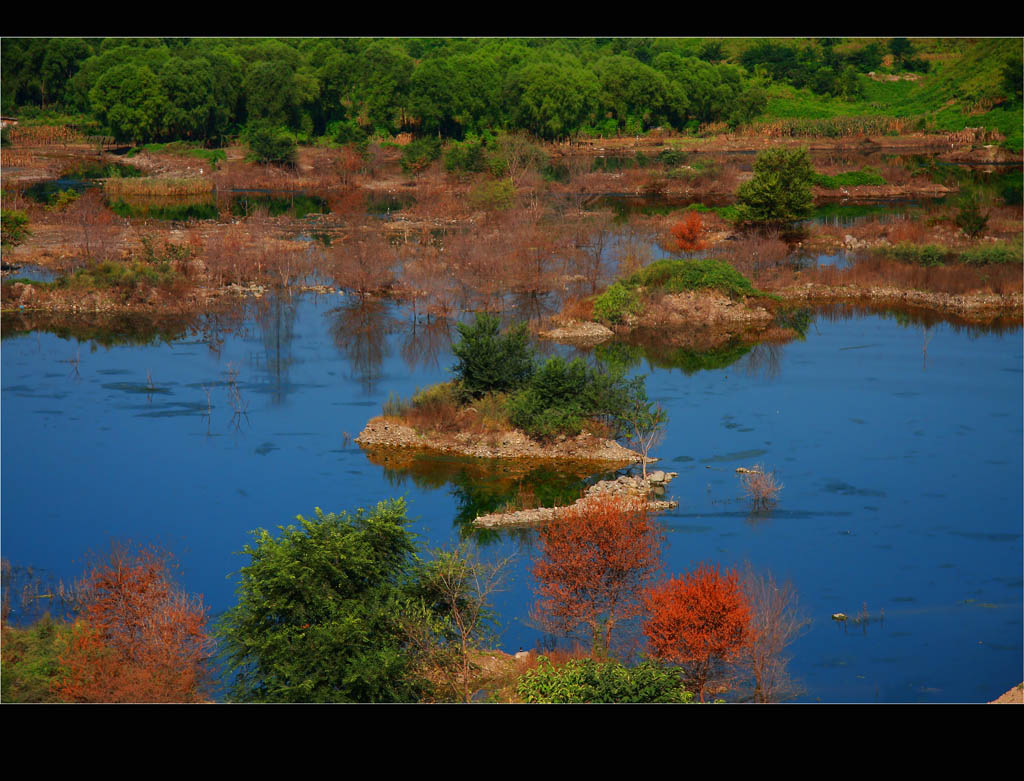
[
  {"x": 779, "y": 195},
  {"x": 489, "y": 361},
  {"x": 643, "y": 424},
  {"x": 271, "y": 145},
  {"x": 553, "y": 100},
  {"x": 319, "y": 613},
  {"x": 131, "y": 102}
]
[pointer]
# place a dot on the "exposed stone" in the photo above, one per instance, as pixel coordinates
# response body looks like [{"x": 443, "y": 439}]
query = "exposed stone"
[{"x": 625, "y": 486}]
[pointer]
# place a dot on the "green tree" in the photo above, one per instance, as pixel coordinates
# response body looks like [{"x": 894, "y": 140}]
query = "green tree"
[
  {"x": 319, "y": 613},
  {"x": 271, "y": 145},
  {"x": 779, "y": 195},
  {"x": 970, "y": 217},
  {"x": 15, "y": 227},
  {"x": 130, "y": 101},
  {"x": 489, "y": 361}
]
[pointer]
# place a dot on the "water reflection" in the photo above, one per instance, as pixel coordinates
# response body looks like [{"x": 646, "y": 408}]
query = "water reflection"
[
  {"x": 276, "y": 320},
  {"x": 360, "y": 329},
  {"x": 482, "y": 486}
]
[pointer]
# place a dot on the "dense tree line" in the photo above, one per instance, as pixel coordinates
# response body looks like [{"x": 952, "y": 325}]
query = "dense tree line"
[{"x": 159, "y": 89}]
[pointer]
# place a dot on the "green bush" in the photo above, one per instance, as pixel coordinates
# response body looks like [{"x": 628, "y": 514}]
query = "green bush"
[
  {"x": 677, "y": 276},
  {"x": 14, "y": 227},
  {"x": 969, "y": 216},
  {"x": 591, "y": 681},
  {"x": 319, "y": 613},
  {"x": 271, "y": 146},
  {"x": 349, "y": 132},
  {"x": 1001, "y": 252},
  {"x": 30, "y": 661},
  {"x": 418, "y": 154},
  {"x": 562, "y": 396},
  {"x": 615, "y": 303},
  {"x": 468, "y": 156},
  {"x": 921, "y": 254},
  {"x": 489, "y": 361},
  {"x": 493, "y": 195}
]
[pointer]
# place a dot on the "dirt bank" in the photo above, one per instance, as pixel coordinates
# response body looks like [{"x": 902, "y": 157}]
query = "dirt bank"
[{"x": 388, "y": 432}]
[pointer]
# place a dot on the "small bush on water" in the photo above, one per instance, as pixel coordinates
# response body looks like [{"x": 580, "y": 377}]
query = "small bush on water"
[{"x": 760, "y": 486}]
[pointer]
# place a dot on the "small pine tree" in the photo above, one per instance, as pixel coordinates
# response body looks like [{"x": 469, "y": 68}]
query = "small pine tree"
[
  {"x": 489, "y": 361},
  {"x": 779, "y": 195}
]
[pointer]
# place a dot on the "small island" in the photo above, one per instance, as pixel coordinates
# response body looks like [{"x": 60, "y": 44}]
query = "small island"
[{"x": 505, "y": 403}]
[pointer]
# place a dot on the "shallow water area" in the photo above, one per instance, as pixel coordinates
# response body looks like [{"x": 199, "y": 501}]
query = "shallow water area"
[{"x": 898, "y": 445}]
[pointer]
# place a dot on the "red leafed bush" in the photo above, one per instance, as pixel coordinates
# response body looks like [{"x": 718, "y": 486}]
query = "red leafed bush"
[
  {"x": 138, "y": 637},
  {"x": 596, "y": 560},
  {"x": 687, "y": 233},
  {"x": 700, "y": 621}
]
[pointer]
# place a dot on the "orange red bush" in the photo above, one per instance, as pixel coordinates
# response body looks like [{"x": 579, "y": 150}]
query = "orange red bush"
[
  {"x": 138, "y": 637},
  {"x": 687, "y": 233},
  {"x": 596, "y": 561},
  {"x": 700, "y": 621}
]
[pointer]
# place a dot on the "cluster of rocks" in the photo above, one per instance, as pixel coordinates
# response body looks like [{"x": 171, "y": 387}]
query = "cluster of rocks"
[
  {"x": 578, "y": 332},
  {"x": 387, "y": 432},
  {"x": 636, "y": 488}
]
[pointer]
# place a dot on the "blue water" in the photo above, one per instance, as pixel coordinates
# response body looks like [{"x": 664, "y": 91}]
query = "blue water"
[{"x": 901, "y": 471}]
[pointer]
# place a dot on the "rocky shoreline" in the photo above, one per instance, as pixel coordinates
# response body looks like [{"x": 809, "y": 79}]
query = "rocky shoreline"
[{"x": 636, "y": 488}]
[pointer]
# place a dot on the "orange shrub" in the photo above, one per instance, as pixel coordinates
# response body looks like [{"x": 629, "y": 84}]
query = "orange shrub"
[{"x": 699, "y": 621}]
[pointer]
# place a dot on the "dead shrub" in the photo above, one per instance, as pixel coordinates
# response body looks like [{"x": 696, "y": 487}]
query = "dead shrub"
[
  {"x": 579, "y": 309},
  {"x": 760, "y": 486}
]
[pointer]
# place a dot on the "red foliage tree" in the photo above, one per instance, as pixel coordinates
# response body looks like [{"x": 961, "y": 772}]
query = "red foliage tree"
[
  {"x": 700, "y": 621},
  {"x": 138, "y": 637},
  {"x": 687, "y": 233},
  {"x": 597, "y": 558}
]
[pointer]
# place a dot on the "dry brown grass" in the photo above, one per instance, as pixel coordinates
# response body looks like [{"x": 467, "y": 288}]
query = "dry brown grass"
[
  {"x": 753, "y": 254},
  {"x": 157, "y": 186},
  {"x": 579, "y": 309},
  {"x": 877, "y": 271}
]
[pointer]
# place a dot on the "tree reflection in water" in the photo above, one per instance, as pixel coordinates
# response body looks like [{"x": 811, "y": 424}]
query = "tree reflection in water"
[
  {"x": 276, "y": 320},
  {"x": 360, "y": 330},
  {"x": 423, "y": 340}
]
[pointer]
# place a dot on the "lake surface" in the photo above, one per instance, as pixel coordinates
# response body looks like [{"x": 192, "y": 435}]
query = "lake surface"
[{"x": 899, "y": 447}]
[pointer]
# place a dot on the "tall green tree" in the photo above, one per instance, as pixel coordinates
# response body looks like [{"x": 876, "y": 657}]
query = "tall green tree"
[
  {"x": 320, "y": 608},
  {"x": 779, "y": 195},
  {"x": 131, "y": 102}
]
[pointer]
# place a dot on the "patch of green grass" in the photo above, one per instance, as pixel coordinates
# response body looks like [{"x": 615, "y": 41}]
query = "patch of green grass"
[
  {"x": 938, "y": 255},
  {"x": 170, "y": 212},
  {"x": 677, "y": 276},
  {"x": 865, "y": 176},
  {"x": 87, "y": 170}
]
